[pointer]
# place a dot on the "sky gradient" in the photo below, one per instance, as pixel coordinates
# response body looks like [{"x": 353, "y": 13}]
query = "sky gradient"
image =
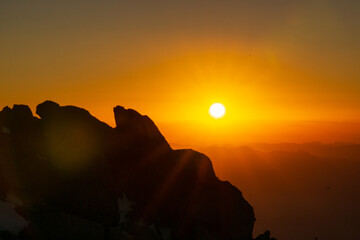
[{"x": 285, "y": 70}]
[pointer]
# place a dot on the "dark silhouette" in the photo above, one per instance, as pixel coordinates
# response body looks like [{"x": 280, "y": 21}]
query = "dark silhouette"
[
  {"x": 75, "y": 177},
  {"x": 265, "y": 236}
]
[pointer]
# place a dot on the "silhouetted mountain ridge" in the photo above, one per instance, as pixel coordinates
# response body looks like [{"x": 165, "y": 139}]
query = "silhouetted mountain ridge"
[
  {"x": 338, "y": 150},
  {"x": 72, "y": 171}
]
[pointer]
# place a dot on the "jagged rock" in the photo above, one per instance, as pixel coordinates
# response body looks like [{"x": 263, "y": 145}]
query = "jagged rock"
[
  {"x": 265, "y": 236},
  {"x": 47, "y": 108},
  {"x": 17, "y": 113},
  {"x": 139, "y": 129},
  {"x": 17, "y": 119},
  {"x": 126, "y": 179},
  {"x": 22, "y": 112}
]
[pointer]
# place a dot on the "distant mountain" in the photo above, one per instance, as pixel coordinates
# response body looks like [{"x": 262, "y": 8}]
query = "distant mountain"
[
  {"x": 339, "y": 150},
  {"x": 67, "y": 175},
  {"x": 299, "y": 191}
]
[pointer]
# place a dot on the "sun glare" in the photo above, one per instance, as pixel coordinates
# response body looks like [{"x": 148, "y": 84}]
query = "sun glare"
[{"x": 217, "y": 110}]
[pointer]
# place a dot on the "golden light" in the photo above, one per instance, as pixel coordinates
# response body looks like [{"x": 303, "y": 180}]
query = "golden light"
[{"x": 217, "y": 110}]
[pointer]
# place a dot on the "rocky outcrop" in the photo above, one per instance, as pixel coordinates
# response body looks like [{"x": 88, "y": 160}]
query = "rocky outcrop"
[
  {"x": 265, "y": 236},
  {"x": 126, "y": 181}
]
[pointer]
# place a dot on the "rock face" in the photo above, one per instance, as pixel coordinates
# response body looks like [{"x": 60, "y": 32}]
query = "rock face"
[{"x": 116, "y": 183}]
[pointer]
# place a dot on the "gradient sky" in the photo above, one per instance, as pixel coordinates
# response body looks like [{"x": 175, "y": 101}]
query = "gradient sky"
[{"x": 285, "y": 70}]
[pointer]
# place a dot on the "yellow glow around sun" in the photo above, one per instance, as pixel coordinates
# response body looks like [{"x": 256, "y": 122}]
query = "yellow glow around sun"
[{"x": 217, "y": 110}]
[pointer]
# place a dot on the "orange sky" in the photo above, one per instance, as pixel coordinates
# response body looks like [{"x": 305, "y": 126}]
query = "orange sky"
[{"x": 286, "y": 71}]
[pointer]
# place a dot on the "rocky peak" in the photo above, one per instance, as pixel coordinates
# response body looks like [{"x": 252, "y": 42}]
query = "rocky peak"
[
  {"x": 139, "y": 126},
  {"x": 47, "y": 108},
  {"x": 70, "y": 164},
  {"x": 16, "y": 119}
]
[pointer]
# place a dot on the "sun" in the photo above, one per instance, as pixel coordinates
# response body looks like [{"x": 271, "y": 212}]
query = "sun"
[{"x": 217, "y": 110}]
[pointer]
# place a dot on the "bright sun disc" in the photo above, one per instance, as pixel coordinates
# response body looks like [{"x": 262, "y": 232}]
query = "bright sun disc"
[{"x": 217, "y": 110}]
